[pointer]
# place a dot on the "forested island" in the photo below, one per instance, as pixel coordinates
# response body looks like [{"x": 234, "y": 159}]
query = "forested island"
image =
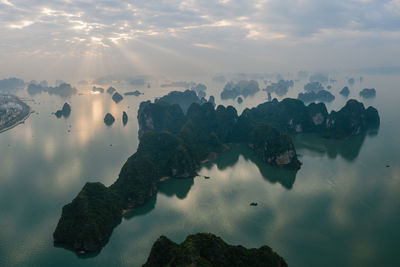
[
  {"x": 175, "y": 144},
  {"x": 63, "y": 89},
  {"x": 312, "y": 96},
  {"x": 13, "y": 111},
  {"x": 65, "y": 111},
  {"x": 242, "y": 88},
  {"x": 368, "y": 92},
  {"x": 280, "y": 88},
  {"x": 205, "y": 249}
]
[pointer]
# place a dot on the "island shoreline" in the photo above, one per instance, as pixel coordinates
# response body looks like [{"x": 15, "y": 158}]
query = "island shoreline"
[{"x": 22, "y": 121}]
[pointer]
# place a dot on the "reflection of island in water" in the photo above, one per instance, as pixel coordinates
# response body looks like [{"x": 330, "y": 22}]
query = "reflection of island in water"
[
  {"x": 348, "y": 149},
  {"x": 178, "y": 187},
  {"x": 273, "y": 174}
]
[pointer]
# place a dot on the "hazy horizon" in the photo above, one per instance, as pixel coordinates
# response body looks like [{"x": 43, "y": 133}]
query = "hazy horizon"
[{"x": 80, "y": 39}]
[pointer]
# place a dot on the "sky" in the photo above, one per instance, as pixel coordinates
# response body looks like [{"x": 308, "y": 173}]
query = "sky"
[{"x": 56, "y": 39}]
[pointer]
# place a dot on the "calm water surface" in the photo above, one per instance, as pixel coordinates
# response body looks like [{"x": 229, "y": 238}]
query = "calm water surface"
[{"x": 340, "y": 209}]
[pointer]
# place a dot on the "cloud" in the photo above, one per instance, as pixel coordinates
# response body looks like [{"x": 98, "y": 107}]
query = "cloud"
[
  {"x": 20, "y": 24},
  {"x": 209, "y": 46},
  {"x": 76, "y": 28}
]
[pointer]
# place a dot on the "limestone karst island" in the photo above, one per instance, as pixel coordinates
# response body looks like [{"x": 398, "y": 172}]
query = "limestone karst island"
[{"x": 199, "y": 133}]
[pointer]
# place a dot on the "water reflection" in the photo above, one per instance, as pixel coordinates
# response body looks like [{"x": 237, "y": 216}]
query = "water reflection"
[
  {"x": 176, "y": 187},
  {"x": 273, "y": 174},
  {"x": 348, "y": 149},
  {"x": 142, "y": 210},
  {"x": 336, "y": 207},
  {"x": 171, "y": 187}
]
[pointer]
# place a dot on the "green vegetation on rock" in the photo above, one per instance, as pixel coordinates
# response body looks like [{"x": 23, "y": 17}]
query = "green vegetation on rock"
[
  {"x": 87, "y": 222},
  {"x": 160, "y": 117},
  {"x": 209, "y": 250},
  {"x": 352, "y": 119},
  {"x": 175, "y": 145},
  {"x": 274, "y": 147},
  {"x": 368, "y": 92},
  {"x": 242, "y": 88}
]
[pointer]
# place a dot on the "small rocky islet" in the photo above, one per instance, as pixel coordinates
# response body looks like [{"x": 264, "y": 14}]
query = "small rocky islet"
[
  {"x": 134, "y": 93},
  {"x": 345, "y": 91},
  {"x": 124, "y": 118},
  {"x": 65, "y": 111},
  {"x": 312, "y": 96},
  {"x": 368, "y": 93},
  {"x": 175, "y": 144},
  {"x": 242, "y": 88},
  {"x": 280, "y": 88},
  {"x": 111, "y": 90},
  {"x": 117, "y": 97},
  {"x": 109, "y": 119}
]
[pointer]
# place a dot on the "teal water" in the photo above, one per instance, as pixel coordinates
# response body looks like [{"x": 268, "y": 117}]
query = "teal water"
[{"x": 340, "y": 209}]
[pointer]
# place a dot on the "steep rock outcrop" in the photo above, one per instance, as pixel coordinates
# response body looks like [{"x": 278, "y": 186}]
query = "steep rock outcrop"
[
  {"x": 117, "y": 97},
  {"x": 292, "y": 116},
  {"x": 345, "y": 91},
  {"x": 88, "y": 221},
  {"x": 111, "y": 90},
  {"x": 322, "y": 96},
  {"x": 242, "y": 88},
  {"x": 65, "y": 111},
  {"x": 352, "y": 119},
  {"x": 160, "y": 117},
  {"x": 280, "y": 88},
  {"x": 183, "y": 99},
  {"x": 368, "y": 93},
  {"x": 273, "y": 147},
  {"x": 124, "y": 118},
  {"x": 209, "y": 250},
  {"x": 109, "y": 119},
  {"x": 313, "y": 86}
]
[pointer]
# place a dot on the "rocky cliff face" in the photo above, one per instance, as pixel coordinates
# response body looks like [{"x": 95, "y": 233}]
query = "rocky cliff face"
[
  {"x": 227, "y": 118},
  {"x": 292, "y": 116},
  {"x": 124, "y": 118},
  {"x": 87, "y": 222},
  {"x": 289, "y": 115},
  {"x": 318, "y": 115},
  {"x": 117, "y": 97},
  {"x": 209, "y": 250},
  {"x": 274, "y": 147},
  {"x": 352, "y": 119},
  {"x": 183, "y": 99},
  {"x": 160, "y": 117},
  {"x": 109, "y": 119},
  {"x": 65, "y": 111},
  {"x": 345, "y": 91}
]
